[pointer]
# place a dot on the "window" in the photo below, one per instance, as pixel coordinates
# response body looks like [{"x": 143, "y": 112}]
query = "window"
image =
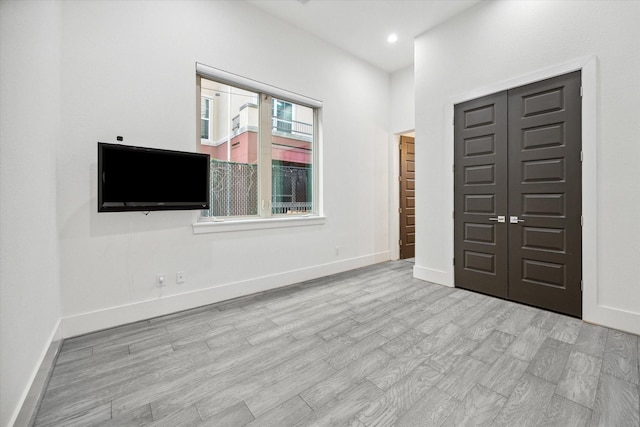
[
  {"x": 282, "y": 115},
  {"x": 263, "y": 162},
  {"x": 205, "y": 119}
]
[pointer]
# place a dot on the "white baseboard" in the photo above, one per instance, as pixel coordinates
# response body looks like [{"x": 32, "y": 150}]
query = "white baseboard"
[
  {"x": 611, "y": 317},
  {"x": 115, "y": 316},
  {"x": 33, "y": 393},
  {"x": 434, "y": 276}
]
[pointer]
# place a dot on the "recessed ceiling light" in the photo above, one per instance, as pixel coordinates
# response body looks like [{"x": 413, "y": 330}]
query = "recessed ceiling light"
[{"x": 392, "y": 38}]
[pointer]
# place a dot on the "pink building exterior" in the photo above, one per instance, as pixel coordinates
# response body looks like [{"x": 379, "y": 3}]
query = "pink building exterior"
[{"x": 244, "y": 149}]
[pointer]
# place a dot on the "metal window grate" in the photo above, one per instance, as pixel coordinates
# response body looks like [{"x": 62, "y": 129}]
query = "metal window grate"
[{"x": 234, "y": 189}]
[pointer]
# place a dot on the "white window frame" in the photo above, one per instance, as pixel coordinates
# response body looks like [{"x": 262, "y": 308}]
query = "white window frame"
[{"x": 266, "y": 219}]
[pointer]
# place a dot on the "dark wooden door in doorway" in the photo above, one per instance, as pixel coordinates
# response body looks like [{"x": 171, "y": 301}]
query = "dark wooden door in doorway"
[
  {"x": 518, "y": 194},
  {"x": 407, "y": 197}
]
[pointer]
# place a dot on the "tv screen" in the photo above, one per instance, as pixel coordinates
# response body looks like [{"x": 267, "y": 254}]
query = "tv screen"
[{"x": 150, "y": 179}]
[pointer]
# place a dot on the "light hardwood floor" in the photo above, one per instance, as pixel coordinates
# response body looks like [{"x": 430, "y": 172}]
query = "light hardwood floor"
[{"x": 367, "y": 347}]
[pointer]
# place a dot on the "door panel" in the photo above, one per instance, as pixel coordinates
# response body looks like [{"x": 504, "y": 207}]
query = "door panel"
[
  {"x": 481, "y": 194},
  {"x": 517, "y": 154},
  {"x": 545, "y": 250},
  {"x": 407, "y": 197}
]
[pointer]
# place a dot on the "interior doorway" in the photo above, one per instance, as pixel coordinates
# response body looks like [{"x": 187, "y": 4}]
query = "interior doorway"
[{"x": 407, "y": 209}]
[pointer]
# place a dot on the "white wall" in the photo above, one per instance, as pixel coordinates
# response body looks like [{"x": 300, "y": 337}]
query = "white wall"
[
  {"x": 496, "y": 42},
  {"x": 402, "y": 105},
  {"x": 129, "y": 69},
  {"x": 29, "y": 134},
  {"x": 403, "y": 113}
]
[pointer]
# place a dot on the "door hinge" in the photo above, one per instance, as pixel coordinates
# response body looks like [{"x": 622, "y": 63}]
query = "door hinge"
[
  {"x": 453, "y": 214},
  {"x": 400, "y": 242},
  {"x": 581, "y": 285},
  {"x": 400, "y": 145},
  {"x": 399, "y": 210},
  {"x": 580, "y": 90},
  {"x": 582, "y": 156},
  {"x": 399, "y": 179},
  {"x": 581, "y": 221}
]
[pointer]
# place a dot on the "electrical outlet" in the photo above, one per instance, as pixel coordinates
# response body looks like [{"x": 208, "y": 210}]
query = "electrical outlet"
[
  {"x": 160, "y": 280},
  {"x": 180, "y": 277}
]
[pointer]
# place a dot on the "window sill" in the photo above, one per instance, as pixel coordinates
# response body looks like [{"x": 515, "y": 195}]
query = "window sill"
[{"x": 228, "y": 225}]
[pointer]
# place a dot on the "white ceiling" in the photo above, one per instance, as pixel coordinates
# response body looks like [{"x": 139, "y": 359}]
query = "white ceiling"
[{"x": 361, "y": 27}]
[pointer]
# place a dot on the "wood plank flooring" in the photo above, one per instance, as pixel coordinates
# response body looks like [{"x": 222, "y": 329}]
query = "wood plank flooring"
[{"x": 369, "y": 347}]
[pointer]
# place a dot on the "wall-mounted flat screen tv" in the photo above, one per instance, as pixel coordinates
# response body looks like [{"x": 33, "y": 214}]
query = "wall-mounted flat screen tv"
[{"x": 150, "y": 179}]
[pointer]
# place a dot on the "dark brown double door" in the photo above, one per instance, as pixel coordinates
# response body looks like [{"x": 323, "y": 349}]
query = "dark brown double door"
[{"x": 518, "y": 197}]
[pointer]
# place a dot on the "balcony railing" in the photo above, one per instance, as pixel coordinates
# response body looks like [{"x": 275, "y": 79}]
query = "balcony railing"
[
  {"x": 292, "y": 126},
  {"x": 278, "y": 124},
  {"x": 279, "y": 208}
]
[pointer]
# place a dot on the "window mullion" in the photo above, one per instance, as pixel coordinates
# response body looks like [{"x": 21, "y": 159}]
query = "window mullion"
[{"x": 264, "y": 165}]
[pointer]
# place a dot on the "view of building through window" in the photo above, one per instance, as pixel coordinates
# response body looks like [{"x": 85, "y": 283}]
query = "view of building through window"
[{"x": 247, "y": 160}]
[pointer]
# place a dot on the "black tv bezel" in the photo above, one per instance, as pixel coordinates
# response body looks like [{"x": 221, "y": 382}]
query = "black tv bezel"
[{"x": 146, "y": 206}]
